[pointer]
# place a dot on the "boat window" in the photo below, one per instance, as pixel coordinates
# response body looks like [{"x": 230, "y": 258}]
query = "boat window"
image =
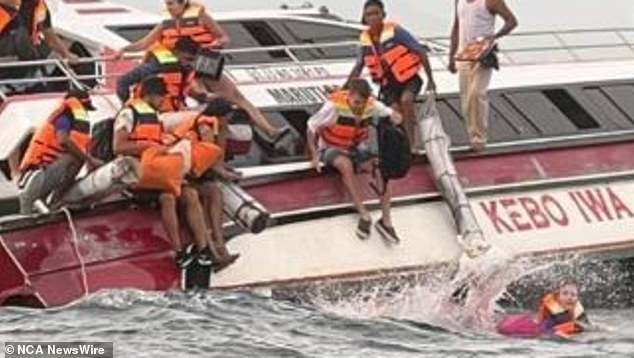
[
  {"x": 571, "y": 108},
  {"x": 306, "y": 32},
  {"x": 265, "y": 36},
  {"x": 622, "y": 96},
  {"x": 131, "y": 33},
  {"x": 608, "y": 107}
]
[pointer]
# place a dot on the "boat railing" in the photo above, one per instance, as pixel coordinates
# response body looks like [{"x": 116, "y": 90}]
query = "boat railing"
[
  {"x": 578, "y": 45},
  {"x": 537, "y": 47}
]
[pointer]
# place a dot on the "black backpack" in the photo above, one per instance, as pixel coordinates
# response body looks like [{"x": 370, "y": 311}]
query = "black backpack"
[
  {"x": 395, "y": 156},
  {"x": 101, "y": 135}
]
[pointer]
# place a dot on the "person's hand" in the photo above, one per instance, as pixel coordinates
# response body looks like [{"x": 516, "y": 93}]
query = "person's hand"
[
  {"x": 316, "y": 164},
  {"x": 160, "y": 148},
  {"x": 217, "y": 44},
  {"x": 117, "y": 55},
  {"x": 452, "y": 65}
]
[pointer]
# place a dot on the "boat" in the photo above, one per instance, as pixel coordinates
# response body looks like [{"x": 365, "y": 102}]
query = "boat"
[{"x": 557, "y": 178}]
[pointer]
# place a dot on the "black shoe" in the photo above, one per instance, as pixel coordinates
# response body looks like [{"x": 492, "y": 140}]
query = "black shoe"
[
  {"x": 363, "y": 228},
  {"x": 204, "y": 257},
  {"x": 387, "y": 232},
  {"x": 184, "y": 258}
]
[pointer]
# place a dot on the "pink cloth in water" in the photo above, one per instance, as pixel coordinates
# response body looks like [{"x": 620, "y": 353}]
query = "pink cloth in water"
[{"x": 519, "y": 325}]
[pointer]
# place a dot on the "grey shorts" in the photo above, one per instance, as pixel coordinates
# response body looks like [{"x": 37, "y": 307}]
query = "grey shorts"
[
  {"x": 358, "y": 156},
  {"x": 39, "y": 183}
]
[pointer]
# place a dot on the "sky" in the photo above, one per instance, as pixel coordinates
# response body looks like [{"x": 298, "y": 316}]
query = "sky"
[{"x": 433, "y": 17}]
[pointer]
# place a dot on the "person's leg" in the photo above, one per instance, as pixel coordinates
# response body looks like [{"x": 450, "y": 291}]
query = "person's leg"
[
  {"x": 195, "y": 219},
  {"x": 213, "y": 205},
  {"x": 409, "y": 116},
  {"x": 227, "y": 89},
  {"x": 170, "y": 219},
  {"x": 55, "y": 178},
  {"x": 479, "y": 104},
  {"x": 344, "y": 165},
  {"x": 465, "y": 81}
]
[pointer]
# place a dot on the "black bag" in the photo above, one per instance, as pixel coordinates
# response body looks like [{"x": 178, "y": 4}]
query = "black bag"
[
  {"x": 209, "y": 64},
  {"x": 101, "y": 136},
  {"x": 395, "y": 156},
  {"x": 490, "y": 60}
]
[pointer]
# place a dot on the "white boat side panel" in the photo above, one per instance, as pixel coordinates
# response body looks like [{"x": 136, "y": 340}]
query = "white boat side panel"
[
  {"x": 541, "y": 221},
  {"x": 324, "y": 247}
]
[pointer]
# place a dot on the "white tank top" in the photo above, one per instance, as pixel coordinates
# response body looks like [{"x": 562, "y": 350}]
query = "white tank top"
[{"x": 475, "y": 21}]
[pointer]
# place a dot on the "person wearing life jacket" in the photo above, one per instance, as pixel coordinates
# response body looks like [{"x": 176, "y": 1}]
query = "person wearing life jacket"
[
  {"x": 26, "y": 32},
  {"x": 136, "y": 129},
  {"x": 57, "y": 151},
  {"x": 561, "y": 313},
  {"x": 189, "y": 19},
  {"x": 205, "y": 128},
  {"x": 337, "y": 135},
  {"x": 393, "y": 57},
  {"x": 174, "y": 67}
]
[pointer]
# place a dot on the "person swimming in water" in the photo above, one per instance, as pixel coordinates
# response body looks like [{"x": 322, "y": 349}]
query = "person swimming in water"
[{"x": 560, "y": 314}]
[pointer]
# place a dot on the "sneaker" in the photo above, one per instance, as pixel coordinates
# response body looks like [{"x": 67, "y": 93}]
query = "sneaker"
[
  {"x": 387, "y": 232},
  {"x": 363, "y": 228},
  {"x": 184, "y": 258},
  {"x": 204, "y": 257}
]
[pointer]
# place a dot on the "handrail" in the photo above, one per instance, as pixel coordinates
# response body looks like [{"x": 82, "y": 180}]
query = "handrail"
[{"x": 438, "y": 50}]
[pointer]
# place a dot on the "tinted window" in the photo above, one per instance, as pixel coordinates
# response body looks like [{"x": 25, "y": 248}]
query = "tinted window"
[{"x": 571, "y": 108}]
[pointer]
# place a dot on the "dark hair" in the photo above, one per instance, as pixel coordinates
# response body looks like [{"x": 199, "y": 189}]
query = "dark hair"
[
  {"x": 360, "y": 86},
  {"x": 186, "y": 45},
  {"x": 369, "y": 3},
  {"x": 218, "y": 107},
  {"x": 153, "y": 85}
]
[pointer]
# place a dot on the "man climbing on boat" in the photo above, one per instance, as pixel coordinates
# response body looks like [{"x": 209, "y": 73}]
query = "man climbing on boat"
[
  {"x": 394, "y": 57},
  {"x": 203, "y": 129},
  {"x": 174, "y": 67},
  {"x": 188, "y": 19},
  {"x": 337, "y": 135},
  {"x": 139, "y": 133},
  {"x": 57, "y": 151}
]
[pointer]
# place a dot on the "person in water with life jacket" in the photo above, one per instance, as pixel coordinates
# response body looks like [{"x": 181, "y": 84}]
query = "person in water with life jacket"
[
  {"x": 338, "y": 134},
  {"x": 58, "y": 150},
  {"x": 561, "y": 313},
  {"x": 393, "y": 57},
  {"x": 204, "y": 129},
  {"x": 139, "y": 133},
  {"x": 189, "y": 19}
]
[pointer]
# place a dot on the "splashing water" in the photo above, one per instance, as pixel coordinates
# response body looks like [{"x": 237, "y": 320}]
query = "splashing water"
[{"x": 434, "y": 300}]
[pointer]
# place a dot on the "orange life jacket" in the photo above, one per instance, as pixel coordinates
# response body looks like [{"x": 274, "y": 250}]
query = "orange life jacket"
[
  {"x": 173, "y": 77},
  {"x": 204, "y": 154},
  {"x": 44, "y": 148},
  {"x": 38, "y": 17},
  {"x": 389, "y": 56},
  {"x": 187, "y": 25},
  {"x": 347, "y": 132},
  {"x": 147, "y": 126},
  {"x": 8, "y": 13},
  {"x": 565, "y": 321}
]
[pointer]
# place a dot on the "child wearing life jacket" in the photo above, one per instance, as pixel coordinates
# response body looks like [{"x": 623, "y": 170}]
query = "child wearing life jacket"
[{"x": 561, "y": 313}]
